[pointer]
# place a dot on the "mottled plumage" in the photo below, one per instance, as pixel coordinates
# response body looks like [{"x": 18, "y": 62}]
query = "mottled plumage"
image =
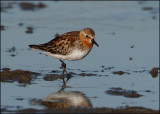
[
  {"x": 59, "y": 45},
  {"x": 73, "y": 45}
]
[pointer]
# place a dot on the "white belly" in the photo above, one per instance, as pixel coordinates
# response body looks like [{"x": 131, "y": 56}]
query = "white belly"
[{"x": 74, "y": 55}]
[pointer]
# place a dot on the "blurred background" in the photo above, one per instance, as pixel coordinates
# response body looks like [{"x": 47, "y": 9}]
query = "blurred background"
[{"x": 126, "y": 31}]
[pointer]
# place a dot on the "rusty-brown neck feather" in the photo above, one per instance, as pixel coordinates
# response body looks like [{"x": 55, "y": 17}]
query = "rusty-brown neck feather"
[{"x": 85, "y": 41}]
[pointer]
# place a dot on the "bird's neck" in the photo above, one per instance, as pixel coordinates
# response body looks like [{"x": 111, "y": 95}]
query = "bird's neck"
[{"x": 86, "y": 42}]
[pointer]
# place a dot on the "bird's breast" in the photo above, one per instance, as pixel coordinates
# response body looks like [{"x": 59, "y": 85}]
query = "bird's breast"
[
  {"x": 73, "y": 55},
  {"x": 77, "y": 54}
]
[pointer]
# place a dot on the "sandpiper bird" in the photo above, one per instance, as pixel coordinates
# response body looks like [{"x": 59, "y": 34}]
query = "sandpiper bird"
[{"x": 69, "y": 46}]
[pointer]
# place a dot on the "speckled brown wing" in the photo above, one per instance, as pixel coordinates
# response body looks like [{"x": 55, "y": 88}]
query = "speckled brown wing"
[{"x": 60, "y": 45}]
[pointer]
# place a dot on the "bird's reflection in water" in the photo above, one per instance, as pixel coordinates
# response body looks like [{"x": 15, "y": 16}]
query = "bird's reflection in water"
[{"x": 66, "y": 99}]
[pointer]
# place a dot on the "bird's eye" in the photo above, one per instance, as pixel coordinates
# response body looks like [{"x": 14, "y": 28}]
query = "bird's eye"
[{"x": 87, "y": 36}]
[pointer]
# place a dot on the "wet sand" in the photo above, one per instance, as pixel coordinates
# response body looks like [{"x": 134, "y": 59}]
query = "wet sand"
[
  {"x": 134, "y": 110},
  {"x": 121, "y": 76},
  {"x": 62, "y": 105}
]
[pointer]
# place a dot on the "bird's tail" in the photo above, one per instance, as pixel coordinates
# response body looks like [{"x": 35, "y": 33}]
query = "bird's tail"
[
  {"x": 33, "y": 46},
  {"x": 36, "y": 47}
]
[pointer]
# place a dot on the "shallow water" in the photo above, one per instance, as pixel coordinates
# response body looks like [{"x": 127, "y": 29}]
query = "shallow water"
[{"x": 118, "y": 26}]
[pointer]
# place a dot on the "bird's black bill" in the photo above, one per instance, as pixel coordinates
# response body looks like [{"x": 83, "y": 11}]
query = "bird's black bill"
[{"x": 94, "y": 42}]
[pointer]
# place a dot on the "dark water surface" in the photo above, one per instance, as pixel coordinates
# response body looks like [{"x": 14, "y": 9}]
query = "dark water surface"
[{"x": 128, "y": 35}]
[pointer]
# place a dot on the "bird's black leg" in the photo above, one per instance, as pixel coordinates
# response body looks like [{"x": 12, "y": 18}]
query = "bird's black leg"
[{"x": 63, "y": 65}]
